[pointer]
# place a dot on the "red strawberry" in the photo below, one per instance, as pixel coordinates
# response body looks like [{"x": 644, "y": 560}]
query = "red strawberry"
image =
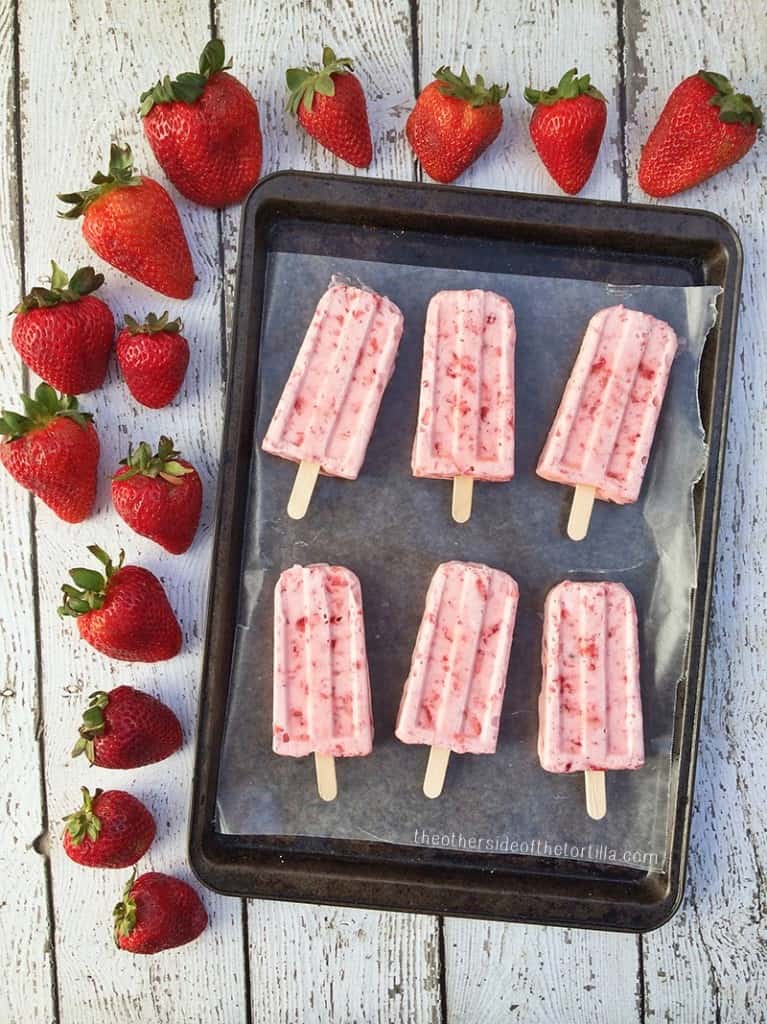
[
  {"x": 53, "y": 451},
  {"x": 159, "y": 496},
  {"x": 453, "y": 122},
  {"x": 126, "y": 728},
  {"x": 157, "y": 912},
  {"x": 64, "y": 333},
  {"x": 110, "y": 830},
  {"x": 132, "y": 223},
  {"x": 123, "y": 613},
  {"x": 153, "y": 357},
  {"x": 703, "y": 128},
  {"x": 567, "y": 128},
  {"x": 204, "y": 130},
  {"x": 330, "y": 104}
]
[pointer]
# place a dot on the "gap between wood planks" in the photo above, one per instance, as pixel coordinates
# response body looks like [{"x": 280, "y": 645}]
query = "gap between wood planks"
[{"x": 40, "y": 843}]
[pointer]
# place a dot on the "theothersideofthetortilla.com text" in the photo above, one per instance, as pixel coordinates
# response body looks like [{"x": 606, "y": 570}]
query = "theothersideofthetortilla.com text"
[{"x": 535, "y": 848}]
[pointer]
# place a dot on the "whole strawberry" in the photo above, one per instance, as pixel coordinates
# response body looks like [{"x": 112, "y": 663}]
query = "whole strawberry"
[
  {"x": 204, "y": 130},
  {"x": 132, "y": 223},
  {"x": 567, "y": 128},
  {"x": 53, "y": 451},
  {"x": 64, "y": 333},
  {"x": 157, "y": 912},
  {"x": 330, "y": 104},
  {"x": 159, "y": 496},
  {"x": 124, "y": 612},
  {"x": 453, "y": 122},
  {"x": 704, "y": 128},
  {"x": 153, "y": 358},
  {"x": 112, "y": 829},
  {"x": 126, "y": 728}
]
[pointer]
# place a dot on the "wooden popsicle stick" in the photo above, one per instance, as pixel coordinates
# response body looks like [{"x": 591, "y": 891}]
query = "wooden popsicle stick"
[
  {"x": 436, "y": 769},
  {"x": 580, "y": 511},
  {"x": 325, "y": 767},
  {"x": 463, "y": 487},
  {"x": 596, "y": 799},
  {"x": 303, "y": 488}
]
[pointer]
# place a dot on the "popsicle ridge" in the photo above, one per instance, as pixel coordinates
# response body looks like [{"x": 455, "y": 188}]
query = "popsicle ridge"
[
  {"x": 605, "y": 425},
  {"x": 466, "y": 410},
  {"x": 590, "y": 708}
]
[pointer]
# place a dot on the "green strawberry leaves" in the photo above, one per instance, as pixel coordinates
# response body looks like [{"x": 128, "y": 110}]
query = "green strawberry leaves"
[
  {"x": 93, "y": 726},
  {"x": 304, "y": 83},
  {"x": 120, "y": 175},
  {"x": 570, "y": 87},
  {"x": 40, "y": 411},
  {"x": 124, "y": 913},
  {"x": 163, "y": 464},
  {"x": 475, "y": 93},
  {"x": 154, "y": 324},
  {"x": 83, "y": 823},
  {"x": 734, "y": 107},
  {"x": 62, "y": 289},
  {"x": 90, "y": 587},
  {"x": 188, "y": 86}
]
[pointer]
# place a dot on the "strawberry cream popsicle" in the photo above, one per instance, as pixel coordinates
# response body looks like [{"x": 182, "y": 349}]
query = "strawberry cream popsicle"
[
  {"x": 465, "y": 426},
  {"x": 329, "y": 405},
  {"x": 454, "y": 693},
  {"x": 321, "y": 683},
  {"x": 602, "y": 434},
  {"x": 590, "y": 708}
]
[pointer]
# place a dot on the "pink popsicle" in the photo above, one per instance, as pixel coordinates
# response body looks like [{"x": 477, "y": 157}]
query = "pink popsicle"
[
  {"x": 329, "y": 405},
  {"x": 466, "y": 408},
  {"x": 604, "y": 428},
  {"x": 321, "y": 682},
  {"x": 590, "y": 708},
  {"x": 454, "y": 692}
]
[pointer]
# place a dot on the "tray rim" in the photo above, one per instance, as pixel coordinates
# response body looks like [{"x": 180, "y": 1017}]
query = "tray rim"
[{"x": 214, "y": 858}]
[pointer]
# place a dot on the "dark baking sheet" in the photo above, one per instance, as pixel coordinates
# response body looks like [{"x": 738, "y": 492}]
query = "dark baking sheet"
[{"x": 286, "y": 216}]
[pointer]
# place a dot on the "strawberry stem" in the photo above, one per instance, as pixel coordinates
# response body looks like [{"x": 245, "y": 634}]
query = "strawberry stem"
[
  {"x": 39, "y": 411},
  {"x": 124, "y": 913},
  {"x": 120, "y": 175},
  {"x": 475, "y": 93},
  {"x": 570, "y": 87},
  {"x": 188, "y": 86},
  {"x": 93, "y": 726},
  {"x": 734, "y": 107},
  {"x": 164, "y": 463},
  {"x": 84, "y": 822},
  {"x": 90, "y": 589},
  {"x": 153, "y": 324},
  {"x": 304, "y": 83},
  {"x": 62, "y": 289}
]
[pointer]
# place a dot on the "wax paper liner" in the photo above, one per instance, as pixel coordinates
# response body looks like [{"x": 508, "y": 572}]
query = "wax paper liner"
[{"x": 393, "y": 530}]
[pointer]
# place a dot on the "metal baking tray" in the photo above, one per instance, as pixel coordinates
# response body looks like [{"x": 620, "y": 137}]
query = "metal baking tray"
[{"x": 477, "y": 230}]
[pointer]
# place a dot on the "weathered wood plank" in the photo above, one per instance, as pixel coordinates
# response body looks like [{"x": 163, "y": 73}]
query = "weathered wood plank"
[
  {"x": 509, "y": 972},
  {"x": 309, "y": 963},
  {"x": 25, "y": 939},
  {"x": 318, "y": 964},
  {"x": 528, "y": 43},
  {"x": 83, "y": 66},
  {"x": 710, "y": 962}
]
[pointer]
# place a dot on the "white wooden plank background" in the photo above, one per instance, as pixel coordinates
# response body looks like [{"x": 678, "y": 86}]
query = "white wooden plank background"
[{"x": 82, "y": 65}]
